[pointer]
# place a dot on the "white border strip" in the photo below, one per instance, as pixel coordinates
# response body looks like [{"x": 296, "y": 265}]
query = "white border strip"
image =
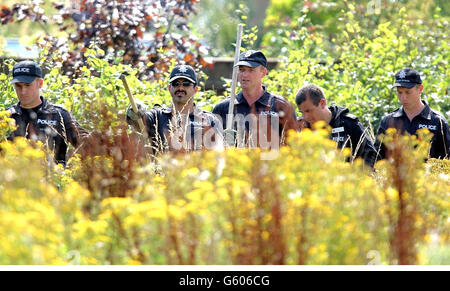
[{"x": 188, "y": 268}]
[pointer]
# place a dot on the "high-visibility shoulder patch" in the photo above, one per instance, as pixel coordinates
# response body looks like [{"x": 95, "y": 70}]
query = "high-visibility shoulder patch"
[
  {"x": 338, "y": 129},
  {"x": 351, "y": 116},
  {"x": 12, "y": 110}
]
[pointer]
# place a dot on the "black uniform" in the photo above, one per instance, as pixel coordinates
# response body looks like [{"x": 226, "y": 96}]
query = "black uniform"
[
  {"x": 348, "y": 132},
  {"x": 158, "y": 124},
  {"x": 428, "y": 118},
  {"x": 268, "y": 104},
  {"x": 51, "y": 124}
]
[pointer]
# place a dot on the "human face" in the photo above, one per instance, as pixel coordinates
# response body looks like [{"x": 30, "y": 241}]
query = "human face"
[
  {"x": 251, "y": 77},
  {"x": 28, "y": 94},
  {"x": 181, "y": 93},
  {"x": 312, "y": 113},
  {"x": 410, "y": 97}
]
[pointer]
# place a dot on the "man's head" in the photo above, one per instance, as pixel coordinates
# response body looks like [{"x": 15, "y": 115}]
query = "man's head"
[
  {"x": 183, "y": 83},
  {"x": 409, "y": 88},
  {"x": 311, "y": 102},
  {"x": 252, "y": 68},
  {"x": 27, "y": 81}
]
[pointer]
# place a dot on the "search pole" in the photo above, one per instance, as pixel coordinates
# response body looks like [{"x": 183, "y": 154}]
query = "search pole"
[{"x": 229, "y": 132}]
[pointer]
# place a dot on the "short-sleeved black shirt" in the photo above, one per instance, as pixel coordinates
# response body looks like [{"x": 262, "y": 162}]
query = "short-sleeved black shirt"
[
  {"x": 429, "y": 119},
  {"x": 158, "y": 122},
  {"x": 267, "y": 105}
]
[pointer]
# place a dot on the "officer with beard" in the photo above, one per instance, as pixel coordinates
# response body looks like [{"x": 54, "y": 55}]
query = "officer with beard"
[{"x": 183, "y": 126}]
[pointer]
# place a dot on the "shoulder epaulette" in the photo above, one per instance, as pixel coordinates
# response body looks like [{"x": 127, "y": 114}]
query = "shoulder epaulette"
[
  {"x": 12, "y": 110},
  {"x": 58, "y": 106},
  {"x": 50, "y": 107},
  {"x": 438, "y": 114},
  {"x": 351, "y": 116}
]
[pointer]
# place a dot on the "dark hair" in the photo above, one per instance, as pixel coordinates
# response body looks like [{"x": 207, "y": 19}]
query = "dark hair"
[{"x": 311, "y": 91}]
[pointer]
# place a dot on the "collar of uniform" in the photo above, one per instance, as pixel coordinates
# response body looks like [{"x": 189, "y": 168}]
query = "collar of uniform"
[
  {"x": 426, "y": 112},
  {"x": 264, "y": 99},
  {"x": 46, "y": 108},
  {"x": 167, "y": 110},
  {"x": 399, "y": 113},
  {"x": 336, "y": 112},
  {"x": 333, "y": 115},
  {"x": 240, "y": 98},
  {"x": 43, "y": 107},
  {"x": 197, "y": 111}
]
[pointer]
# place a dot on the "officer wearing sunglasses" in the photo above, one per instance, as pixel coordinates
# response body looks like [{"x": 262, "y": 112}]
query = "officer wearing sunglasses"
[{"x": 183, "y": 126}]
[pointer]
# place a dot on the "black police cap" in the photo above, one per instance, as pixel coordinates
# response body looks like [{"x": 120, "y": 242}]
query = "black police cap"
[
  {"x": 407, "y": 78},
  {"x": 252, "y": 58},
  {"x": 26, "y": 72},
  {"x": 183, "y": 71}
]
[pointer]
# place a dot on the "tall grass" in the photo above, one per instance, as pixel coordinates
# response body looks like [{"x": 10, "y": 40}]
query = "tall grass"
[{"x": 307, "y": 206}]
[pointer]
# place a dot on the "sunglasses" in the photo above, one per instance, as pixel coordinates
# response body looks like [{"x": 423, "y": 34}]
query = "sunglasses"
[{"x": 184, "y": 83}]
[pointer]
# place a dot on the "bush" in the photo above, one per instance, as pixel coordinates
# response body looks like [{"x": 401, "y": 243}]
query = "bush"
[
  {"x": 112, "y": 206},
  {"x": 356, "y": 67},
  {"x": 306, "y": 206},
  {"x": 117, "y": 28}
]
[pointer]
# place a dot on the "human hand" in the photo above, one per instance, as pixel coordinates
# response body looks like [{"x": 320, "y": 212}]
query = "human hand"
[{"x": 136, "y": 115}]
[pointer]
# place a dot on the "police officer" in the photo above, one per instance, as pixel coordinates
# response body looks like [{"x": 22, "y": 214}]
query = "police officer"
[
  {"x": 347, "y": 131},
  {"x": 257, "y": 111},
  {"x": 36, "y": 118},
  {"x": 183, "y": 126},
  {"x": 415, "y": 114}
]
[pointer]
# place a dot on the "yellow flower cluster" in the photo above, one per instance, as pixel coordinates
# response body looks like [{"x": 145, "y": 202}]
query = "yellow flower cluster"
[
  {"x": 307, "y": 206},
  {"x": 7, "y": 124}
]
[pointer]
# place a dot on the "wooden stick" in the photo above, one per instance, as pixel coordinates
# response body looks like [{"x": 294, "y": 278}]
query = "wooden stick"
[
  {"x": 147, "y": 150},
  {"x": 133, "y": 104},
  {"x": 233, "y": 82}
]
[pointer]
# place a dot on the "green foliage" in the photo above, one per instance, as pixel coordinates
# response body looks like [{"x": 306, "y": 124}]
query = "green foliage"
[
  {"x": 358, "y": 69},
  {"x": 304, "y": 207},
  {"x": 8, "y": 96},
  {"x": 116, "y": 27},
  {"x": 98, "y": 86},
  {"x": 217, "y": 20},
  {"x": 324, "y": 16},
  {"x": 26, "y": 27}
]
